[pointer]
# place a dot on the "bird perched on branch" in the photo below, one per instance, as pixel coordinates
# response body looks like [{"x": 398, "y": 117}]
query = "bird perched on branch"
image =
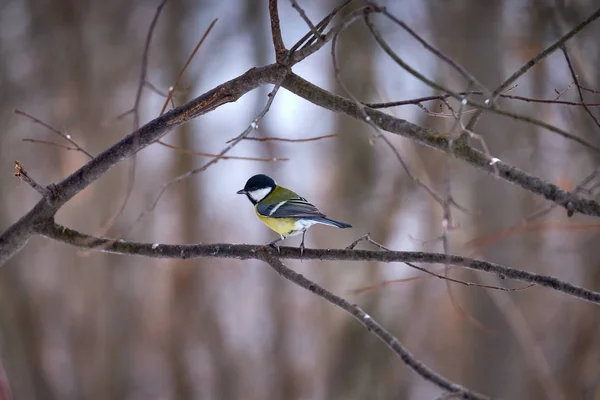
[{"x": 283, "y": 210}]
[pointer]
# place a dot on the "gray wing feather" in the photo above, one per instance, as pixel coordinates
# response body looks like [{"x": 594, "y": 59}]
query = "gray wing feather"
[{"x": 293, "y": 208}]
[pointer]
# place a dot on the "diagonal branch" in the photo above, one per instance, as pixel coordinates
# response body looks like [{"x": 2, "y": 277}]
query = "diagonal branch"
[
  {"x": 487, "y": 106},
  {"x": 471, "y": 80},
  {"x": 571, "y": 201},
  {"x": 269, "y": 257},
  {"x": 17, "y": 235},
  {"x": 579, "y": 91},
  {"x": 54, "y": 130},
  {"x": 535, "y": 60}
]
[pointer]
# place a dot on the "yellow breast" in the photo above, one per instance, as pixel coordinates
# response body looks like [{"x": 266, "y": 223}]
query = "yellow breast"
[{"x": 283, "y": 226}]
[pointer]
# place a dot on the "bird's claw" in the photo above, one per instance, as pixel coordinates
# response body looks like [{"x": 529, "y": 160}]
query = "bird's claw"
[{"x": 273, "y": 245}]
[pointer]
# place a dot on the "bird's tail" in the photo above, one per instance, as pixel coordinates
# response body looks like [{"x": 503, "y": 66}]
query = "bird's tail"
[{"x": 331, "y": 222}]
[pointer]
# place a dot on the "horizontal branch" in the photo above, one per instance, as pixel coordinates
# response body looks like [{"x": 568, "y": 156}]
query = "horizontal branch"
[{"x": 256, "y": 252}]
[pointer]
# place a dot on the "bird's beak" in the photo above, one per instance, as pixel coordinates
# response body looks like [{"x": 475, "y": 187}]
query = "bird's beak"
[{"x": 241, "y": 191}]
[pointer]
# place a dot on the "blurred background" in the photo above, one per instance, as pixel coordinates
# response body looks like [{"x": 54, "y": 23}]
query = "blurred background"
[{"x": 79, "y": 325}]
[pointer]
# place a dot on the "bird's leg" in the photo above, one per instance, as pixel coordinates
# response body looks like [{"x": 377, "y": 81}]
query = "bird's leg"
[
  {"x": 272, "y": 244},
  {"x": 302, "y": 244}
]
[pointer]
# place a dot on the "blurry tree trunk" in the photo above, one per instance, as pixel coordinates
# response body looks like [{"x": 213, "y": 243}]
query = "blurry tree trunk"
[
  {"x": 193, "y": 322},
  {"x": 358, "y": 363},
  {"x": 282, "y": 381},
  {"x": 577, "y": 364},
  {"x": 469, "y": 32},
  {"x": 67, "y": 98}
]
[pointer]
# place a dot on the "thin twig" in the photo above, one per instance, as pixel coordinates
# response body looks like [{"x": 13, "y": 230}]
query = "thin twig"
[
  {"x": 310, "y": 38},
  {"x": 53, "y": 129},
  {"x": 365, "y": 12},
  {"x": 199, "y": 153},
  {"x": 471, "y": 80},
  {"x": 156, "y": 90},
  {"x": 304, "y": 52},
  {"x": 481, "y": 107},
  {"x": 24, "y": 176},
  {"x": 590, "y": 90},
  {"x": 144, "y": 65},
  {"x": 535, "y": 60},
  {"x": 419, "y": 100},
  {"x": 366, "y": 238},
  {"x": 303, "y": 15},
  {"x": 50, "y": 143},
  {"x": 175, "y": 86},
  {"x": 574, "y": 76},
  {"x": 429, "y": 274},
  {"x": 279, "y": 139},
  {"x": 465, "y": 283}
]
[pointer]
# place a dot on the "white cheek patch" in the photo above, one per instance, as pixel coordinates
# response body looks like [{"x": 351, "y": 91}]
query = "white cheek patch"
[{"x": 259, "y": 194}]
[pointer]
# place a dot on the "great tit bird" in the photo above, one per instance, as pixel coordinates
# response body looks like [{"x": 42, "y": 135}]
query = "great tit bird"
[{"x": 283, "y": 210}]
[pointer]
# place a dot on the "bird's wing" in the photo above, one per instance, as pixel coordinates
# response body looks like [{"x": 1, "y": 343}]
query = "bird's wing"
[{"x": 292, "y": 208}]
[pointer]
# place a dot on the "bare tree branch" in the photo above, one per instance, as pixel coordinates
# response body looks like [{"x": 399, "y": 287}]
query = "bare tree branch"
[
  {"x": 471, "y": 80},
  {"x": 270, "y": 257},
  {"x": 539, "y": 57},
  {"x": 53, "y": 129},
  {"x": 441, "y": 97},
  {"x": 144, "y": 66},
  {"x": 280, "y": 139},
  {"x": 304, "y": 52},
  {"x": 487, "y": 106},
  {"x": 255, "y": 252},
  {"x": 579, "y": 91},
  {"x": 280, "y": 50},
  {"x": 24, "y": 176},
  {"x": 223, "y": 157},
  {"x": 15, "y": 237},
  {"x": 312, "y": 36},
  {"x": 49, "y": 143},
  {"x": 463, "y": 151}
]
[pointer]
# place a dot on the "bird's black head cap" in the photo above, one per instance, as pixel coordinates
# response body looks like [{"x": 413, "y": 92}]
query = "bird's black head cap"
[
  {"x": 258, "y": 187},
  {"x": 259, "y": 181}
]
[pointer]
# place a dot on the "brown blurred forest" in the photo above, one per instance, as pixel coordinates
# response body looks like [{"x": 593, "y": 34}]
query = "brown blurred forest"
[{"x": 90, "y": 325}]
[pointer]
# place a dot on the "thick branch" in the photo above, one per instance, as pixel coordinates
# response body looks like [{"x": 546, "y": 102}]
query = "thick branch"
[
  {"x": 247, "y": 252},
  {"x": 17, "y": 235},
  {"x": 572, "y": 202}
]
